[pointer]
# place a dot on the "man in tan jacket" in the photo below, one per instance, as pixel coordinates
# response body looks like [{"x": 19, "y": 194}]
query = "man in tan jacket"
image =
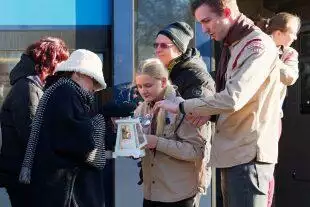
[{"x": 247, "y": 103}]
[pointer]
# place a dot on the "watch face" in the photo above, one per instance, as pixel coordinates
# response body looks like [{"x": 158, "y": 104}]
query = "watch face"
[{"x": 197, "y": 92}]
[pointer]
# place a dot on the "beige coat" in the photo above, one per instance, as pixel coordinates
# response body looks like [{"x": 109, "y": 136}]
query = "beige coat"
[
  {"x": 288, "y": 70},
  {"x": 248, "y": 125},
  {"x": 177, "y": 170}
]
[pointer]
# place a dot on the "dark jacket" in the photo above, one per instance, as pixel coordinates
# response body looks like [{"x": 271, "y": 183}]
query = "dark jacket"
[
  {"x": 61, "y": 175},
  {"x": 189, "y": 73},
  {"x": 16, "y": 116}
]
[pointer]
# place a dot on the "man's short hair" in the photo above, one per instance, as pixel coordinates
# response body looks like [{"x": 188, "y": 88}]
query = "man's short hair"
[{"x": 217, "y": 6}]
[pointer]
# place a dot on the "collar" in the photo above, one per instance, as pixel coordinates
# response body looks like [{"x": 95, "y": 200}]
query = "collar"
[
  {"x": 174, "y": 62},
  {"x": 36, "y": 79},
  {"x": 242, "y": 27}
]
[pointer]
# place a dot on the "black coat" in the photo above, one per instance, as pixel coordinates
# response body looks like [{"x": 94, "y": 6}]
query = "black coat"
[
  {"x": 189, "y": 74},
  {"x": 16, "y": 116},
  {"x": 60, "y": 173}
]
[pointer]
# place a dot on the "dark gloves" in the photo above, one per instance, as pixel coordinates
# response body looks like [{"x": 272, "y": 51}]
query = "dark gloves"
[
  {"x": 110, "y": 136},
  {"x": 139, "y": 164}
]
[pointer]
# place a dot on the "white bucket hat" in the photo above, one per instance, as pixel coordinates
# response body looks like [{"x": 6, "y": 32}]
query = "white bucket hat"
[{"x": 87, "y": 63}]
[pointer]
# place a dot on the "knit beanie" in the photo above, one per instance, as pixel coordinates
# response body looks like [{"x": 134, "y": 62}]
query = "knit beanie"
[{"x": 180, "y": 33}]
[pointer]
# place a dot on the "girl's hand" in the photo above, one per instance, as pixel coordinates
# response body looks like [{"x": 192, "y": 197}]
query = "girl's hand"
[
  {"x": 167, "y": 105},
  {"x": 151, "y": 141}
]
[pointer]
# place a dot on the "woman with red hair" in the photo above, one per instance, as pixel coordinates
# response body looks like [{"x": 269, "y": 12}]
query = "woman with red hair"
[{"x": 27, "y": 79}]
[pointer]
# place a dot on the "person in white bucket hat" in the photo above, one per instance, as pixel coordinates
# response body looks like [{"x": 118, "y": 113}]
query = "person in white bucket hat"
[
  {"x": 87, "y": 63},
  {"x": 66, "y": 144}
]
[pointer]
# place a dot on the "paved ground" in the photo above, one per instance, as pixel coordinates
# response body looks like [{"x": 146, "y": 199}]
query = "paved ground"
[
  {"x": 127, "y": 190},
  {"x": 4, "y": 200}
]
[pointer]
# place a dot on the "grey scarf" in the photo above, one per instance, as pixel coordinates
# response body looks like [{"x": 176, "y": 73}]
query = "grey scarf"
[{"x": 95, "y": 158}]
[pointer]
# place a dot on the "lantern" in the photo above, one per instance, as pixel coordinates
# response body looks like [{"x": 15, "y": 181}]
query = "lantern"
[{"x": 130, "y": 138}]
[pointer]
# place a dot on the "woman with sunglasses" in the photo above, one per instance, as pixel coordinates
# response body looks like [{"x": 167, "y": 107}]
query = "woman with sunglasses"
[{"x": 186, "y": 68}]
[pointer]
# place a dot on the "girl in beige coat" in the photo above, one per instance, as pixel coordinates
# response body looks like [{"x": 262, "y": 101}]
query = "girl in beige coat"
[{"x": 174, "y": 167}]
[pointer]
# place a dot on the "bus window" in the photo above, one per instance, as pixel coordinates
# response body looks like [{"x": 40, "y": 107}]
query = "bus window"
[
  {"x": 150, "y": 19},
  {"x": 8, "y": 59}
]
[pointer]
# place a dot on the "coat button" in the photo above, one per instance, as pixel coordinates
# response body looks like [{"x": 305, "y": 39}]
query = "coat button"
[
  {"x": 152, "y": 165},
  {"x": 217, "y": 131},
  {"x": 153, "y": 181}
]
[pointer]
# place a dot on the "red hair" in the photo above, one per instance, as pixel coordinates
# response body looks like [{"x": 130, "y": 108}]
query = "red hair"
[{"x": 47, "y": 53}]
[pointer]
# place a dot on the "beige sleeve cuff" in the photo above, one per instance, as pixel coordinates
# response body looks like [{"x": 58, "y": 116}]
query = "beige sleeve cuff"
[
  {"x": 189, "y": 106},
  {"x": 162, "y": 144}
]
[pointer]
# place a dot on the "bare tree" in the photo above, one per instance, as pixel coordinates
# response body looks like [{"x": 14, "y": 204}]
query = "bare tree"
[{"x": 153, "y": 15}]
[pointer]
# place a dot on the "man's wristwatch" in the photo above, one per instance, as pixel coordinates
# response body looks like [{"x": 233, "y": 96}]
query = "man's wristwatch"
[{"x": 181, "y": 108}]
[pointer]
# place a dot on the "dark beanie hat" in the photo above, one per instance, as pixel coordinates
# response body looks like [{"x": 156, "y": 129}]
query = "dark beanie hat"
[{"x": 180, "y": 33}]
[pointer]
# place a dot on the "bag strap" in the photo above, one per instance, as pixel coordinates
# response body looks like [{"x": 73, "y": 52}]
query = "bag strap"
[{"x": 182, "y": 119}]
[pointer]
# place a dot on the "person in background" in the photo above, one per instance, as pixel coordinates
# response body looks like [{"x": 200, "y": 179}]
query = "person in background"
[
  {"x": 67, "y": 139},
  {"x": 245, "y": 144},
  {"x": 174, "y": 167},
  {"x": 185, "y": 66},
  {"x": 283, "y": 28},
  {"x": 27, "y": 79}
]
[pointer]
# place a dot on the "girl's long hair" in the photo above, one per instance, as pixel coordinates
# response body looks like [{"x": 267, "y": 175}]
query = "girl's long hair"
[
  {"x": 277, "y": 22},
  {"x": 154, "y": 68}
]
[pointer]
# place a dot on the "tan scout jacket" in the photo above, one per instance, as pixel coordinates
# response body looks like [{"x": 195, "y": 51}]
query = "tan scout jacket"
[
  {"x": 248, "y": 125},
  {"x": 288, "y": 70},
  {"x": 177, "y": 169}
]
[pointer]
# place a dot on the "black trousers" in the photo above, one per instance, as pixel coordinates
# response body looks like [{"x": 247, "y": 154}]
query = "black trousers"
[
  {"x": 189, "y": 202},
  {"x": 19, "y": 195}
]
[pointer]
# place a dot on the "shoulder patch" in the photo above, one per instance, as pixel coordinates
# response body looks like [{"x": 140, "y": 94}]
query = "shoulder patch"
[{"x": 254, "y": 45}]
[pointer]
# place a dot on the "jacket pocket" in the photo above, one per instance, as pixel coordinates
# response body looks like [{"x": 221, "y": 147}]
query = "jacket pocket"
[{"x": 261, "y": 175}]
